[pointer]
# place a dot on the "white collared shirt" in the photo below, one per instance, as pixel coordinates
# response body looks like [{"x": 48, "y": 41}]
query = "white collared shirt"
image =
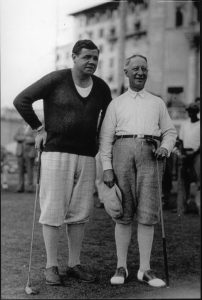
[
  {"x": 190, "y": 134},
  {"x": 135, "y": 113}
]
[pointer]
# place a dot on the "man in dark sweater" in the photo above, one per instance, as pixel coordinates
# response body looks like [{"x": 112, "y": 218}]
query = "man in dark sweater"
[{"x": 74, "y": 103}]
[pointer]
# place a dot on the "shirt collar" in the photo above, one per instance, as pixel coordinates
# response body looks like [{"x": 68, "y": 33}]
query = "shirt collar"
[{"x": 134, "y": 94}]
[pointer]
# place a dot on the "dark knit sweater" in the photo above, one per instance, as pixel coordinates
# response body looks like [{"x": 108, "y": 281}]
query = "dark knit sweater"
[{"x": 70, "y": 120}]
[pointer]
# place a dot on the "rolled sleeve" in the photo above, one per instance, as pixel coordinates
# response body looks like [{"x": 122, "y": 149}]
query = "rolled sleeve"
[
  {"x": 107, "y": 135},
  {"x": 169, "y": 133}
]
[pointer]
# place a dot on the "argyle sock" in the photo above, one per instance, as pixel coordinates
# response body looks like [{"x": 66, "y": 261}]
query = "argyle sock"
[
  {"x": 122, "y": 238},
  {"x": 145, "y": 236},
  {"x": 51, "y": 237},
  {"x": 75, "y": 235}
]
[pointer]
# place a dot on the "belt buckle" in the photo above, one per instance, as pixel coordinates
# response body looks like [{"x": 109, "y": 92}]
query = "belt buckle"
[{"x": 140, "y": 136}]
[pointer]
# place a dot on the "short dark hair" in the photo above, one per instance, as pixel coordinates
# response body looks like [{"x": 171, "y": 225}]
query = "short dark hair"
[
  {"x": 87, "y": 44},
  {"x": 193, "y": 107}
]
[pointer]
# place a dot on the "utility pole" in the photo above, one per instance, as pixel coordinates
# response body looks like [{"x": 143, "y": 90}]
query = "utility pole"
[{"x": 121, "y": 44}]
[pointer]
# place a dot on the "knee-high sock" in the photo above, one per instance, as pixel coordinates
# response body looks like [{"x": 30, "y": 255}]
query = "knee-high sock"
[
  {"x": 51, "y": 237},
  {"x": 122, "y": 238},
  {"x": 145, "y": 236},
  {"x": 75, "y": 235}
]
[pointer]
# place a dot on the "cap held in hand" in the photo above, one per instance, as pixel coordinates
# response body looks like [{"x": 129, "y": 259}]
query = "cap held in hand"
[{"x": 112, "y": 199}]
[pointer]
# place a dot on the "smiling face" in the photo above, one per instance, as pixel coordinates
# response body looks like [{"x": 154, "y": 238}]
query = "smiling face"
[
  {"x": 86, "y": 61},
  {"x": 136, "y": 71}
]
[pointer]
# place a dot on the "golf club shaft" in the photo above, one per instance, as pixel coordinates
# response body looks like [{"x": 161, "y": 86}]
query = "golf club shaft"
[
  {"x": 34, "y": 215},
  {"x": 162, "y": 226}
]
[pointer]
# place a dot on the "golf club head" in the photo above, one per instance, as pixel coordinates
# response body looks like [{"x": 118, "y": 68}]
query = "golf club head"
[{"x": 31, "y": 291}]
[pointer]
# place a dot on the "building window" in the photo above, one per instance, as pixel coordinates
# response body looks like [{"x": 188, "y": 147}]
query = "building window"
[
  {"x": 110, "y": 78},
  {"x": 137, "y": 25},
  {"x": 112, "y": 31},
  {"x": 109, "y": 13},
  {"x": 87, "y": 21},
  {"x": 174, "y": 95},
  {"x": 101, "y": 32},
  {"x": 90, "y": 34},
  {"x": 115, "y": 14},
  {"x": 101, "y": 48},
  {"x": 57, "y": 57},
  {"x": 97, "y": 17},
  {"x": 197, "y": 6},
  {"x": 112, "y": 46},
  {"x": 131, "y": 7},
  {"x": 111, "y": 62},
  {"x": 178, "y": 17}
]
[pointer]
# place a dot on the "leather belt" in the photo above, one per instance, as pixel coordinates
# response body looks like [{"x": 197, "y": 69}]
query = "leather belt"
[{"x": 140, "y": 136}]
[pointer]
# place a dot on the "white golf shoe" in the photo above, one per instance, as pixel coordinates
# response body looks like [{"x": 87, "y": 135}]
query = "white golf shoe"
[
  {"x": 120, "y": 276},
  {"x": 150, "y": 278}
]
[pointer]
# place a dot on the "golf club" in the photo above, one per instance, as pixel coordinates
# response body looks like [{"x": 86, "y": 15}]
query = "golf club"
[
  {"x": 99, "y": 121},
  {"x": 28, "y": 289},
  {"x": 180, "y": 186},
  {"x": 162, "y": 226}
]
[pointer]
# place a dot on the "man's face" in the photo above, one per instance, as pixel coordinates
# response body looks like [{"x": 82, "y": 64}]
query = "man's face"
[
  {"x": 86, "y": 62},
  {"x": 137, "y": 71}
]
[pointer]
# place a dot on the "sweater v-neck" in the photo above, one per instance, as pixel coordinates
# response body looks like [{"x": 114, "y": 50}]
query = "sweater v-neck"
[{"x": 83, "y": 99}]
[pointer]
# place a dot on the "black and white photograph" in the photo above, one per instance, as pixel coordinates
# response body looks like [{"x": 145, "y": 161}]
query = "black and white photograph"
[{"x": 100, "y": 149}]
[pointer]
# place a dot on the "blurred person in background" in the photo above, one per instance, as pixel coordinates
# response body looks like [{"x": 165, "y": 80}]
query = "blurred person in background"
[
  {"x": 26, "y": 154},
  {"x": 73, "y": 99},
  {"x": 144, "y": 136},
  {"x": 4, "y": 168},
  {"x": 189, "y": 135},
  {"x": 198, "y": 102}
]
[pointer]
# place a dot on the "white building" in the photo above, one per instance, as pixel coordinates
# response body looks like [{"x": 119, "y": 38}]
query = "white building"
[
  {"x": 63, "y": 56},
  {"x": 167, "y": 32}
]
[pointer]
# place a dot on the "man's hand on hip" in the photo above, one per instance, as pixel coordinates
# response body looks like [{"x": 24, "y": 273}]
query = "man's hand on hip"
[
  {"x": 108, "y": 178},
  {"x": 161, "y": 152},
  {"x": 40, "y": 140}
]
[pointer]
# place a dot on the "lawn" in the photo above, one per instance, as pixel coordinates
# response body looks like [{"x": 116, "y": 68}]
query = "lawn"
[{"x": 183, "y": 251}]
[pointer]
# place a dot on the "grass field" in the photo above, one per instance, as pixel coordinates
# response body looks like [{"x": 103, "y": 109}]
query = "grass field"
[{"x": 183, "y": 251}]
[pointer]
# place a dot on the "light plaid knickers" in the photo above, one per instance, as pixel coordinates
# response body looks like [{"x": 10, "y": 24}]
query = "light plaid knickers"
[{"x": 66, "y": 188}]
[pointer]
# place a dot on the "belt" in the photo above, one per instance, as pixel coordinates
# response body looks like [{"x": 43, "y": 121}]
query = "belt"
[{"x": 140, "y": 136}]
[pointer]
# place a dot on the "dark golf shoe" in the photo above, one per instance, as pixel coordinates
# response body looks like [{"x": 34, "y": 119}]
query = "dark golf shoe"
[
  {"x": 80, "y": 273},
  {"x": 52, "y": 276},
  {"x": 150, "y": 278}
]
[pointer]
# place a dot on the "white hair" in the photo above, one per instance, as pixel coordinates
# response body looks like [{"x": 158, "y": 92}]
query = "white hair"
[{"x": 127, "y": 61}]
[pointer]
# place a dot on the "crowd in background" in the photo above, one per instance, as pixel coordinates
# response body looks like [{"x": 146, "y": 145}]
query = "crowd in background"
[{"x": 25, "y": 158}]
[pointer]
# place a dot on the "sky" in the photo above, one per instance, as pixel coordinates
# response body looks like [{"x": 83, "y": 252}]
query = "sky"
[{"x": 28, "y": 40}]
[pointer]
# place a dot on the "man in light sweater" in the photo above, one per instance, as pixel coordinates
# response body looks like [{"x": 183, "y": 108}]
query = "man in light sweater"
[
  {"x": 72, "y": 99},
  {"x": 144, "y": 132}
]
